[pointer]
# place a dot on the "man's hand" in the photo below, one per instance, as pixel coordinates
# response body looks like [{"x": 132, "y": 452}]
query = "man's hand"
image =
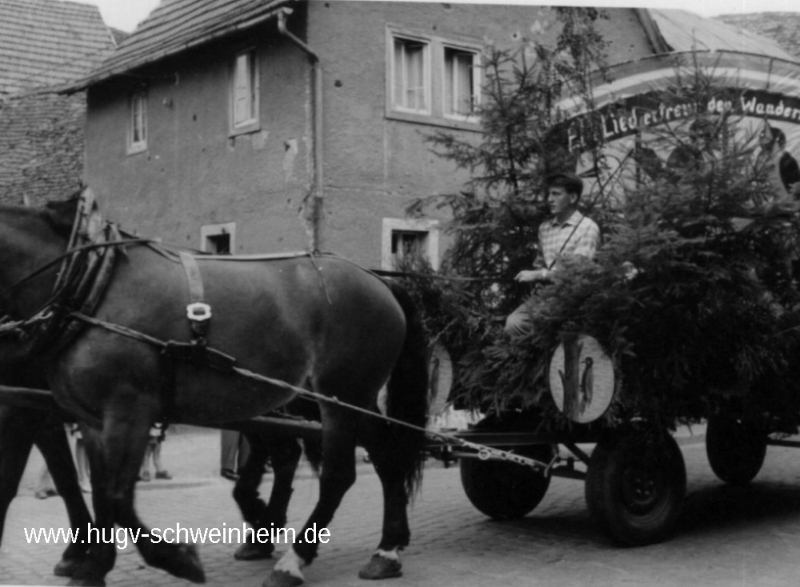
[{"x": 532, "y": 275}]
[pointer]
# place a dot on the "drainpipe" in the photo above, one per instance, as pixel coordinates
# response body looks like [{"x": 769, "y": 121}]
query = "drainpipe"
[{"x": 317, "y": 190}]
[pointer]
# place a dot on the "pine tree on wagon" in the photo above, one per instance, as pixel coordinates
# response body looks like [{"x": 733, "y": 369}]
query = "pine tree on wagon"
[{"x": 696, "y": 248}]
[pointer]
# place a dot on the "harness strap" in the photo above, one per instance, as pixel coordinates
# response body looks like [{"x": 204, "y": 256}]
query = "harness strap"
[
  {"x": 124, "y": 242},
  {"x": 193, "y": 277},
  {"x": 228, "y": 365},
  {"x": 198, "y": 312},
  {"x": 566, "y": 242},
  {"x": 90, "y": 291}
]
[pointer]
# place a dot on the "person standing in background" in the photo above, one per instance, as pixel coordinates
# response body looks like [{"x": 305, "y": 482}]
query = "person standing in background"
[
  {"x": 44, "y": 484},
  {"x": 158, "y": 433},
  {"x": 233, "y": 453},
  {"x": 81, "y": 460}
]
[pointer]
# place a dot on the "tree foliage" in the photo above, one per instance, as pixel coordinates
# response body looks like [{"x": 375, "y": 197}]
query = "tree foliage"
[{"x": 693, "y": 292}]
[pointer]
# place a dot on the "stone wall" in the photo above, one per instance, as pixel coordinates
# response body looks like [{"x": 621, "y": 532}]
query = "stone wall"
[{"x": 41, "y": 147}]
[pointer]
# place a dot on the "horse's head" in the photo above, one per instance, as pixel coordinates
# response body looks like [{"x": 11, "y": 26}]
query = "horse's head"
[
  {"x": 30, "y": 238},
  {"x": 37, "y": 279}
]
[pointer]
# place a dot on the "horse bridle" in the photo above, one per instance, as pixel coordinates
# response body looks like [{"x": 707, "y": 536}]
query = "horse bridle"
[{"x": 84, "y": 273}]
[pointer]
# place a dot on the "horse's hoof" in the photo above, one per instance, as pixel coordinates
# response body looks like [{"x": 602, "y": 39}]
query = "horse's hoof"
[
  {"x": 281, "y": 579},
  {"x": 380, "y": 567},
  {"x": 66, "y": 567},
  {"x": 188, "y": 565},
  {"x": 254, "y": 551}
]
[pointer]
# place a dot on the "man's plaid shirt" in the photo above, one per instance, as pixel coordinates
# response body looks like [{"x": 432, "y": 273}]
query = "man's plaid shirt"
[{"x": 578, "y": 236}]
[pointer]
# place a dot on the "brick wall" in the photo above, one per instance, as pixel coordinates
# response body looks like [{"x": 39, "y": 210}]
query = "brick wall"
[{"x": 41, "y": 147}]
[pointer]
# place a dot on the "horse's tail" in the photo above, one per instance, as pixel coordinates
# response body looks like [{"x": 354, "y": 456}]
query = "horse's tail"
[
  {"x": 407, "y": 397},
  {"x": 312, "y": 447}
]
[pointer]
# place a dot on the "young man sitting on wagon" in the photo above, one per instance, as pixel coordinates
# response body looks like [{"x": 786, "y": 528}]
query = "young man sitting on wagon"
[{"x": 568, "y": 234}]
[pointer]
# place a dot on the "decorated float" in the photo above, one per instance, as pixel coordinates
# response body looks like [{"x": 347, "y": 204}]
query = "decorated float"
[{"x": 688, "y": 314}]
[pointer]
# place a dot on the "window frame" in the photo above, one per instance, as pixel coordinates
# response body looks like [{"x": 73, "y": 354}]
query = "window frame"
[
  {"x": 253, "y": 122},
  {"x": 436, "y": 78},
  {"x": 212, "y": 230},
  {"x": 137, "y": 146},
  {"x": 428, "y": 226},
  {"x": 477, "y": 81},
  {"x": 426, "y": 74}
]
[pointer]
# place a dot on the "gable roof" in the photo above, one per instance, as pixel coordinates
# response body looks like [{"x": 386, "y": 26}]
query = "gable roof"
[
  {"x": 176, "y": 25},
  {"x": 47, "y": 42},
  {"x": 118, "y": 35},
  {"x": 686, "y": 31},
  {"x": 782, "y": 27}
]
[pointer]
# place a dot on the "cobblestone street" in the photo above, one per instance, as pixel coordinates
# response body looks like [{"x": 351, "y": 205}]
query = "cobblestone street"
[{"x": 727, "y": 536}]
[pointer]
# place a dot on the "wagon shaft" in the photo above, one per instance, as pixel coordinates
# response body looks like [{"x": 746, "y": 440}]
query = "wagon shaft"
[
  {"x": 41, "y": 399},
  {"x": 274, "y": 426}
]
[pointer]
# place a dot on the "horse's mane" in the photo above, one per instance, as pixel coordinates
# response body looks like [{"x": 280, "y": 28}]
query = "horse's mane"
[
  {"x": 60, "y": 214},
  {"x": 56, "y": 218}
]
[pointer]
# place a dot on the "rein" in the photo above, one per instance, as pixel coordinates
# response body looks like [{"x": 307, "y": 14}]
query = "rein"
[
  {"x": 414, "y": 275},
  {"x": 84, "y": 274},
  {"x": 566, "y": 242},
  {"x": 227, "y": 364},
  {"x": 73, "y": 252}
]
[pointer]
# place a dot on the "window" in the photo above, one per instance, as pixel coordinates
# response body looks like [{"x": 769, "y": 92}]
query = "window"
[
  {"x": 460, "y": 82},
  {"x": 244, "y": 93},
  {"x": 407, "y": 244},
  {"x": 431, "y": 80},
  {"x": 219, "y": 244},
  {"x": 410, "y": 75},
  {"x": 218, "y": 239},
  {"x": 404, "y": 238},
  {"x": 137, "y": 132}
]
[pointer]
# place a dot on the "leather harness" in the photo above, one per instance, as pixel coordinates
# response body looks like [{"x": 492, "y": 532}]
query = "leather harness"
[{"x": 197, "y": 311}]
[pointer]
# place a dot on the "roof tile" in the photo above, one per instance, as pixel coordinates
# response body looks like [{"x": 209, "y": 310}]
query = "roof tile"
[
  {"x": 782, "y": 27},
  {"x": 686, "y": 31},
  {"x": 41, "y": 147},
  {"x": 177, "y": 24},
  {"x": 44, "y": 42}
]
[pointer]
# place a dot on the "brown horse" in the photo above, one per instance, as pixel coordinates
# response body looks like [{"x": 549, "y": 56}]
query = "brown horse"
[
  {"x": 22, "y": 426},
  {"x": 283, "y": 455},
  {"x": 20, "y": 429},
  {"x": 319, "y": 322}
]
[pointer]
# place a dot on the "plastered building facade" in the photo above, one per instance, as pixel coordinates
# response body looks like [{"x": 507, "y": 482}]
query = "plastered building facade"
[{"x": 300, "y": 123}]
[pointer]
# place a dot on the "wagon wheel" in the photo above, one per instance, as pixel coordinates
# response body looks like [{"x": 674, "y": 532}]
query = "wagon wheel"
[
  {"x": 635, "y": 487},
  {"x": 735, "y": 448},
  {"x": 504, "y": 490}
]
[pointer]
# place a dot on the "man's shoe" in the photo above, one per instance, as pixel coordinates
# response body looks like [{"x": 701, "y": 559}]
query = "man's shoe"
[
  {"x": 145, "y": 476},
  {"x": 163, "y": 475},
  {"x": 229, "y": 474}
]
